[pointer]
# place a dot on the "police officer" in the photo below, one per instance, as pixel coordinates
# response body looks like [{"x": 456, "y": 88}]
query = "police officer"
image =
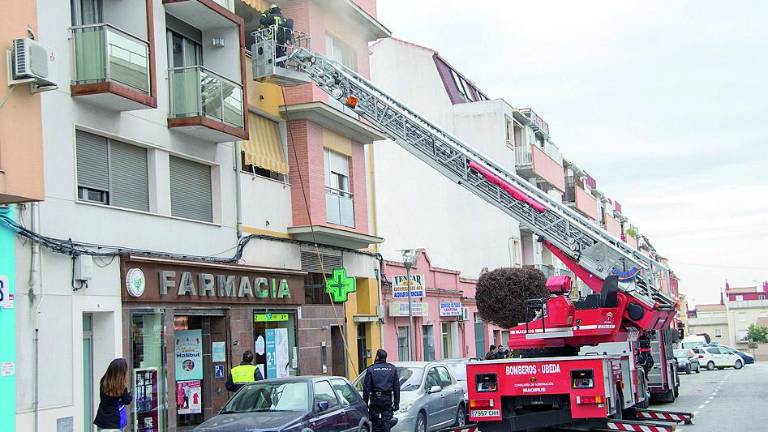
[
  {"x": 243, "y": 374},
  {"x": 381, "y": 391}
]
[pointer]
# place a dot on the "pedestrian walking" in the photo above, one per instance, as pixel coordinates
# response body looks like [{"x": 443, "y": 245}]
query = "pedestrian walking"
[
  {"x": 243, "y": 373},
  {"x": 114, "y": 397},
  {"x": 381, "y": 391}
]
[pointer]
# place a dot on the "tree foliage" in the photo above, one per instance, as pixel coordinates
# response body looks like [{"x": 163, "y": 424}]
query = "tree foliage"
[
  {"x": 501, "y": 294},
  {"x": 757, "y": 333}
]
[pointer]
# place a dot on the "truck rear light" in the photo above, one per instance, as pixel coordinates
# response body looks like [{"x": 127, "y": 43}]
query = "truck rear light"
[
  {"x": 486, "y": 382},
  {"x": 589, "y": 400},
  {"x": 481, "y": 403},
  {"x": 581, "y": 379}
]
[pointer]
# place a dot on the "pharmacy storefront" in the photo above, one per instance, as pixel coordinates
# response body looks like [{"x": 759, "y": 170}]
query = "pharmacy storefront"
[{"x": 189, "y": 323}]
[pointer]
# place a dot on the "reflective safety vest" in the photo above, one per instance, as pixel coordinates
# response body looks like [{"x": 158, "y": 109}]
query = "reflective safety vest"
[{"x": 243, "y": 374}]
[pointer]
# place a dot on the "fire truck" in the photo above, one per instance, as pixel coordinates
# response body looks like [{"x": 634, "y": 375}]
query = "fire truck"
[{"x": 583, "y": 362}]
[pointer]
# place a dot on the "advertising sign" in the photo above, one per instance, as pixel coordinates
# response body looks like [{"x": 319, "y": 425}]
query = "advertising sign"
[
  {"x": 189, "y": 397},
  {"x": 399, "y": 309},
  {"x": 278, "y": 359},
  {"x": 189, "y": 355},
  {"x": 218, "y": 351},
  {"x": 147, "y": 401},
  {"x": 450, "y": 309},
  {"x": 270, "y": 351},
  {"x": 400, "y": 287}
]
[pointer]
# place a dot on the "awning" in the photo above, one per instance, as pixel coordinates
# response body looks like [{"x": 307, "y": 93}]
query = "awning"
[
  {"x": 260, "y": 5},
  {"x": 264, "y": 149}
]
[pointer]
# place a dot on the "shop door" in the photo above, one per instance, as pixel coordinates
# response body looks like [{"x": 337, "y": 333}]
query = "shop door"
[
  {"x": 338, "y": 352},
  {"x": 87, "y": 373},
  {"x": 362, "y": 348},
  {"x": 149, "y": 372},
  {"x": 275, "y": 349}
]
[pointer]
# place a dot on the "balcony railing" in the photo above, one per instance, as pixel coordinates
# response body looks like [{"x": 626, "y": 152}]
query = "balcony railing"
[
  {"x": 339, "y": 207},
  {"x": 103, "y": 53},
  {"x": 523, "y": 156},
  {"x": 197, "y": 91}
]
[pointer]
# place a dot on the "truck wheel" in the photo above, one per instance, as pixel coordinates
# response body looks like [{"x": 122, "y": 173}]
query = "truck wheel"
[
  {"x": 619, "y": 406},
  {"x": 669, "y": 396},
  {"x": 711, "y": 365},
  {"x": 677, "y": 391}
]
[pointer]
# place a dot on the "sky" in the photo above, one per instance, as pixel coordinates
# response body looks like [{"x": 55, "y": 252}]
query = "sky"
[{"x": 664, "y": 103}]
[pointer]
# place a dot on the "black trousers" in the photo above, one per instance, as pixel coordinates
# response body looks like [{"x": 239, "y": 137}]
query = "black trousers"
[{"x": 381, "y": 413}]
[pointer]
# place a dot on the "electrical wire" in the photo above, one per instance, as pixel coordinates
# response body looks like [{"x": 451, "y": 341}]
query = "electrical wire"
[
  {"x": 292, "y": 143},
  {"x": 7, "y": 95}
]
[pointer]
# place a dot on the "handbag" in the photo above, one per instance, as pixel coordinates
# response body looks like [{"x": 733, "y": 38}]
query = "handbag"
[{"x": 123, "y": 416}]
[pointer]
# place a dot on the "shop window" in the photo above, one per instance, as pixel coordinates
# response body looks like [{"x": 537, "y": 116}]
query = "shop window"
[
  {"x": 276, "y": 352},
  {"x": 147, "y": 359},
  {"x": 445, "y": 329},
  {"x": 402, "y": 344},
  {"x": 428, "y": 339}
]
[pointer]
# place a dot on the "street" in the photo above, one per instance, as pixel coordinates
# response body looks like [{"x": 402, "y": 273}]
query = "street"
[{"x": 724, "y": 400}]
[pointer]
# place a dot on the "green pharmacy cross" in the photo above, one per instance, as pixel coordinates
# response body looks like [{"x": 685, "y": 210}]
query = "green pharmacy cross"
[{"x": 340, "y": 285}]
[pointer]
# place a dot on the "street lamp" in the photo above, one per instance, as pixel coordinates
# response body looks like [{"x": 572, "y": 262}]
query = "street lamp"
[{"x": 409, "y": 260}]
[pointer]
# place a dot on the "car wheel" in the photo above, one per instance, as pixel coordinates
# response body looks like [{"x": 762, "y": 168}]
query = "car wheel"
[
  {"x": 698, "y": 368},
  {"x": 421, "y": 423},
  {"x": 461, "y": 416},
  {"x": 739, "y": 364},
  {"x": 710, "y": 365}
]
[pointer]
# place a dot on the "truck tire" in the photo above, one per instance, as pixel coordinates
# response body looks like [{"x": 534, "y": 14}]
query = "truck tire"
[
  {"x": 619, "y": 406},
  {"x": 668, "y": 396}
]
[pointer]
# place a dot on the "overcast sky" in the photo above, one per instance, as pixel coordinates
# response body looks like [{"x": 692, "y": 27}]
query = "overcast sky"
[{"x": 665, "y": 103}]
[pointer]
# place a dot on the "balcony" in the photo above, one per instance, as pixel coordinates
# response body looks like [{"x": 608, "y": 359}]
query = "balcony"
[
  {"x": 206, "y": 104},
  {"x": 612, "y": 226},
  {"x": 111, "y": 68},
  {"x": 339, "y": 207},
  {"x": 586, "y": 203},
  {"x": 531, "y": 161},
  {"x": 537, "y": 122}
]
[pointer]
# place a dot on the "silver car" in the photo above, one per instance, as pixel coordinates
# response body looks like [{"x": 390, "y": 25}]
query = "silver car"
[{"x": 430, "y": 397}]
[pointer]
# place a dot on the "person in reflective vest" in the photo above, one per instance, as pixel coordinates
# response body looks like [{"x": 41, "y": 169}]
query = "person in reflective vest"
[{"x": 243, "y": 373}]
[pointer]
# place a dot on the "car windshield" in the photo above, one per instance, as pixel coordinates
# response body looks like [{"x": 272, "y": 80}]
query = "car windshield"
[
  {"x": 270, "y": 396},
  {"x": 410, "y": 377},
  {"x": 459, "y": 370},
  {"x": 681, "y": 353}
]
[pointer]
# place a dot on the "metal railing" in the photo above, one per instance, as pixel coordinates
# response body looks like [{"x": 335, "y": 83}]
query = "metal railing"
[
  {"x": 339, "y": 207},
  {"x": 523, "y": 156},
  {"x": 285, "y": 41},
  {"x": 197, "y": 91},
  {"x": 103, "y": 52}
]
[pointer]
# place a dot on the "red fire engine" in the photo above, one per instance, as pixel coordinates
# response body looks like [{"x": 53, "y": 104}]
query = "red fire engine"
[{"x": 583, "y": 360}]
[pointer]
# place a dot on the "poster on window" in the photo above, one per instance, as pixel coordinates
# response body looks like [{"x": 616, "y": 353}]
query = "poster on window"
[
  {"x": 146, "y": 400},
  {"x": 189, "y": 397},
  {"x": 278, "y": 359},
  {"x": 189, "y": 355}
]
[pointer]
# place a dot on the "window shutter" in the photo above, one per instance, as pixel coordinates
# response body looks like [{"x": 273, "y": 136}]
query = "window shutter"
[
  {"x": 92, "y": 161},
  {"x": 310, "y": 262},
  {"x": 128, "y": 166},
  {"x": 190, "y": 190}
]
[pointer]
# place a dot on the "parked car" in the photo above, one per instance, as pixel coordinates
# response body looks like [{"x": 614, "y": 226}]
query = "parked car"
[
  {"x": 748, "y": 359},
  {"x": 430, "y": 397},
  {"x": 458, "y": 368},
  {"x": 714, "y": 356},
  {"x": 687, "y": 361},
  {"x": 295, "y": 404}
]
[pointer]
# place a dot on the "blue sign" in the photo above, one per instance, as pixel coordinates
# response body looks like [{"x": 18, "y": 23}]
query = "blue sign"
[{"x": 271, "y": 354}]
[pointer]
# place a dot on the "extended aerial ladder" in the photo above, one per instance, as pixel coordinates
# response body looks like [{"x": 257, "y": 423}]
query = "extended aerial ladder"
[{"x": 588, "y": 250}]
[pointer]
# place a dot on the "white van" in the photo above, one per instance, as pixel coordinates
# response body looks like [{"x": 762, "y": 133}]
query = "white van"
[{"x": 693, "y": 341}]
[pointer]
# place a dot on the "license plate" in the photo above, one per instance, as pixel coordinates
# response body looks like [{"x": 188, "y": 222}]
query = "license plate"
[{"x": 484, "y": 413}]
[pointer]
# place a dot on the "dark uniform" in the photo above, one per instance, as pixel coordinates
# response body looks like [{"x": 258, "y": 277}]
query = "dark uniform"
[
  {"x": 274, "y": 17},
  {"x": 381, "y": 391}
]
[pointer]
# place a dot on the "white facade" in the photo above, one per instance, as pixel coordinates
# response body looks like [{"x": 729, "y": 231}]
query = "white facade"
[{"x": 743, "y": 313}]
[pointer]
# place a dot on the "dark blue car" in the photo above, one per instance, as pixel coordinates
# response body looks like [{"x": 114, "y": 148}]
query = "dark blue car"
[{"x": 295, "y": 404}]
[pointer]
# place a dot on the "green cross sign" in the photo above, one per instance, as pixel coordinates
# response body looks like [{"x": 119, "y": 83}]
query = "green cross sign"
[{"x": 340, "y": 285}]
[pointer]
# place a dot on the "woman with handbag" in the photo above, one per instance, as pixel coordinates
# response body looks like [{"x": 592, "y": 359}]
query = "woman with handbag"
[{"x": 112, "y": 415}]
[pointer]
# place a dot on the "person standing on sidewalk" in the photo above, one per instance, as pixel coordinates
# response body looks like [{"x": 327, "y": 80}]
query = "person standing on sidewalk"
[
  {"x": 114, "y": 397},
  {"x": 243, "y": 373}
]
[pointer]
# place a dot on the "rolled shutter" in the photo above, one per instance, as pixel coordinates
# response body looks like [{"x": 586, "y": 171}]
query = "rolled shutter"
[
  {"x": 130, "y": 186},
  {"x": 191, "y": 190},
  {"x": 92, "y": 161}
]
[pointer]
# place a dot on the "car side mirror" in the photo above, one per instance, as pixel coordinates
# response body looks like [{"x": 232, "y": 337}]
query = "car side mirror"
[
  {"x": 322, "y": 406},
  {"x": 435, "y": 389}
]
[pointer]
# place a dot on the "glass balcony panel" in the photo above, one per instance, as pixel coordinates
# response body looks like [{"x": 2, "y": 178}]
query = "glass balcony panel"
[
  {"x": 339, "y": 207},
  {"x": 105, "y": 53},
  {"x": 196, "y": 91}
]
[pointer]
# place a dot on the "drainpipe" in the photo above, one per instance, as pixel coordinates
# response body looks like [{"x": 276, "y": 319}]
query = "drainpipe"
[
  {"x": 238, "y": 192},
  {"x": 35, "y": 295},
  {"x": 379, "y": 272}
]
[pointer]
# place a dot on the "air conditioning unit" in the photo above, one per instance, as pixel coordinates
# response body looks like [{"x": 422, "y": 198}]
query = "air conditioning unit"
[
  {"x": 464, "y": 314},
  {"x": 28, "y": 63}
]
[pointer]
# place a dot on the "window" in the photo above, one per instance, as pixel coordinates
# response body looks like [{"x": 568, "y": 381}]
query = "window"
[
  {"x": 111, "y": 172},
  {"x": 346, "y": 393},
  {"x": 445, "y": 377},
  {"x": 713, "y": 350},
  {"x": 718, "y": 332},
  {"x": 761, "y": 297},
  {"x": 509, "y": 132},
  {"x": 185, "y": 49},
  {"x": 433, "y": 379},
  {"x": 402, "y": 344},
  {"x": 191, "y": 195},
  {"x": 428, "y": 340},
  {"x": 340, "y": 52},
  {"x": 460, "y": 86},
  {"x": 339, "y": 204},
  {"x": 314, "y": 289},
  {"x": 445, "y": 329},
  {"x": 86, "y": 12},
  {"x": 324, "y": 392}
]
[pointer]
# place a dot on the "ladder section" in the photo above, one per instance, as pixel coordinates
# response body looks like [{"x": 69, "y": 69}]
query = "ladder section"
[{"x": 591, "y": 246}]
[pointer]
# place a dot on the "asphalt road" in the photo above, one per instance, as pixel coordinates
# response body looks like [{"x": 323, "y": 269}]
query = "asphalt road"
[{"x": 724, "y": 400}]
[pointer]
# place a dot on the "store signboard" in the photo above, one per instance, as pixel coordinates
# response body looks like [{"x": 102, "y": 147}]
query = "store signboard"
[
  {"x": 270, "y": 317},
  {"x": 400, "y": 309},
  {"x": 400, "y": 287},
  {"x": 189, "y": 354},
  {"x": 450, "y": 309},
  {"x": 189, "y": 397}
]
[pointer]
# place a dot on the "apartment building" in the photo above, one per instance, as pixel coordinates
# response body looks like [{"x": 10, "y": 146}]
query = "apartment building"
[
  {"x": 711, "y": 319},
  {"x": 746, "y": 306},
  {"x": 158, "y": 142}
]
